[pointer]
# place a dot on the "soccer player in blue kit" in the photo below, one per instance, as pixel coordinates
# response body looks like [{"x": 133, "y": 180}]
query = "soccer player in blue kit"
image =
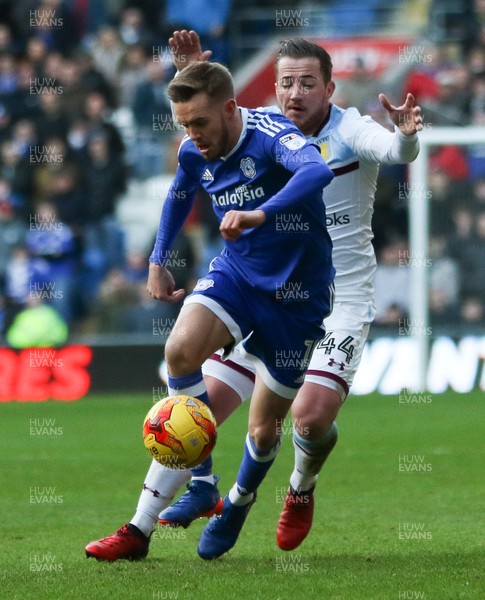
[
  {"x": 260, "y": 172},
  {"x": 354, "y": 146}
]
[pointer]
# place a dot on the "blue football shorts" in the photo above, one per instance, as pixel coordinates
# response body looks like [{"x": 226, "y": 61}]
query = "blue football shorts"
[{"x": 278, "y": 337}]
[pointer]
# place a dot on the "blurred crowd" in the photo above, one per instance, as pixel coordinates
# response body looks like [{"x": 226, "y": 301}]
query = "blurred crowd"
[
  {"x": 83, "y": 113},
  {"x": 447, "y": 78}
]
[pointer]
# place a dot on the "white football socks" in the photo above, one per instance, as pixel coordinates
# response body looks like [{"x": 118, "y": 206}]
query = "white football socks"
[
  {"x": 238, "y": 499},
  {"x": 161, "y": 485},
  {"x": 310, "y": 457}
]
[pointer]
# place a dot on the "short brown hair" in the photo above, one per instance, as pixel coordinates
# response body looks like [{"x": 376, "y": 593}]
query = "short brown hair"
[
  {"x": 213, "y": 79},
  {"x": 301, "y": 48}
]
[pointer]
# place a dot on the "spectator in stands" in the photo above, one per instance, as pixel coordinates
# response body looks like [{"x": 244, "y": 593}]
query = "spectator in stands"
[
  {"x": 451, "y": 103},
  {"x": 73, "y": 92},
  {"x": 23, "y": 103},
  {"x": 8, "y": 75},
  {"x": 47, "y": 160},
  {"x": 477, "y": 101},
  {"x": 132, "y": 74},
  {"x": 476, "y": 60},
  {"x": 53, "y": 23},
  {"x": 7, "y": 42},
  {"x": 24, "y": 137},
  {"x": 358, "y": 89},
  {"x": 478, "y": 23},
  {"x": 470, "y": 253},
  {"x": 50, "y": 244},
  {"x": 462, "y": 217},
  {"x": 17, "y": 278},
  {"x": 444, "y": 282},
  {"x": 104, "y": 179},
  {"x": 38, "y": 325},
  {"x": 17, "y": 171},
  {"x": 91, "y": 79},
  {"x": 421, "y": 80},
  {"x": 153, "y": 117},
  {"x": 77, "y": 137},
  {"x": 36, "y": 53},
  {"x": 97, "y": 113},
  {"x": 67, "y": 197},
  {"x": 12, "y": 229},
  {"x": 447, "y": 191},
  {"x": 52, "y": 65},
  {"x": 479, "y": 192},
  {"x": 5, "y": 121},
  {"x": 52, "y": 119},
  {"x": 107, "y": 51},
  {"x": 133, "y": 28},
  {"x": 392, "y": 283},
  {"x": 150, "y": 96}
]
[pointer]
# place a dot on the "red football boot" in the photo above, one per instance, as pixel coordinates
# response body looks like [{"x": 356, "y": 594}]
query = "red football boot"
[
  {"x": 295, "y": 519},
  {"x": 127, "y": 543}
]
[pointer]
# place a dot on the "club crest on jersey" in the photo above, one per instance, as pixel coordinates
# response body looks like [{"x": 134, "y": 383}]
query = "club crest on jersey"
[
  {"x": 325, "y": 147},
  {"x": 292, "y": 141},
  {"x": 248, "y": 167},
  {"x": 204, "y": 284}
]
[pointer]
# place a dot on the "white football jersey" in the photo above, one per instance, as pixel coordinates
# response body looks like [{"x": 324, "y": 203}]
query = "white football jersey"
[{"x": 354, "y": 146}]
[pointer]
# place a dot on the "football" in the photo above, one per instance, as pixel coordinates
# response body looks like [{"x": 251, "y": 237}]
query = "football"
[{"x": 179, "y": 432}]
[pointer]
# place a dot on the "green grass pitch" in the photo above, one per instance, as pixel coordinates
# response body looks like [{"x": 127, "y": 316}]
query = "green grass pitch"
[{"x": 400, "y": 507}]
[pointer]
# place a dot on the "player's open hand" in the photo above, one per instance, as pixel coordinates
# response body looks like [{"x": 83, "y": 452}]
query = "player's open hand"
[
  {"x": 407, "y": 117},
  {"x": 234, "y": 222},
  {"x": 186, "y": 48},
  {"x": 161, "y": 284}
]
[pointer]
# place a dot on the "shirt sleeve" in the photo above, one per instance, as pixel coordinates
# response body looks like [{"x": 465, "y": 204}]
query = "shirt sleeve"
[
  {"x": 372, "y": 142},
  {"x": 310, "y": 173},
  {"x": 175, "y": 211}
]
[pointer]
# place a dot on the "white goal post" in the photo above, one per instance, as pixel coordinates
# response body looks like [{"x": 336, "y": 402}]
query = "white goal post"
[{"x": 419, "y": 229}]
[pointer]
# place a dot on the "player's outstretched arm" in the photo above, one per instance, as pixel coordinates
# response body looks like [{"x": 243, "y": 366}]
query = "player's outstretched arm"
[
  {"x": 407, "y": 116},
  {"x": 161, "y": 284},
  {"x": 187, "y": 49}
]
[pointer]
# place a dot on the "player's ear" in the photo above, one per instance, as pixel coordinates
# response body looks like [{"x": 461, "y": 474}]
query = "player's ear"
[
  {"x": 330, "y": 88},
  {"x": 230, "y": 107}
]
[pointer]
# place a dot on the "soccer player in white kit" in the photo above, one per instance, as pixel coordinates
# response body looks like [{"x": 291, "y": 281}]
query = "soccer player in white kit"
[{"x": 353, "y": 146}]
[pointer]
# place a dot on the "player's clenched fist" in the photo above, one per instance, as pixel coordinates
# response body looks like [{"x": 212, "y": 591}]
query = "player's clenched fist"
[
  {"x": 234, "y": 222},
  {"x": 161, "y": 284}
]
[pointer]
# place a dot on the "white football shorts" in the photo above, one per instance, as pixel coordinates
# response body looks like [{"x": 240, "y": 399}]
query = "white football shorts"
[{"x": 334, "y": 362}]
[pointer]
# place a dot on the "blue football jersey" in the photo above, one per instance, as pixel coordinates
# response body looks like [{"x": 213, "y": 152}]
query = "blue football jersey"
[{"x": 272, "y": 168}]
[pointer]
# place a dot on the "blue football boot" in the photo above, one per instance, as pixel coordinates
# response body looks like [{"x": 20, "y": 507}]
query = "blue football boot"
[
  {"x": 221, "y": 533},
  {"x": 201, "y": 499}
]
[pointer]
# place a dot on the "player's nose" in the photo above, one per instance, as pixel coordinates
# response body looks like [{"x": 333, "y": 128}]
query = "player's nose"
[
  {"x": 296, "y": 91},
  {"x": 194, "y": 135}
]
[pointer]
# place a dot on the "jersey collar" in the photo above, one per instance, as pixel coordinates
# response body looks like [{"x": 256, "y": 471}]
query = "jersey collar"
[
  {"x": 244, "y": 117},
  {"x": 324, "y": 123}
]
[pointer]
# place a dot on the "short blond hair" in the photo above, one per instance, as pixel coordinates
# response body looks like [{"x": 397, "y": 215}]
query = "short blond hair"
[{"x": 212, "y": 79}]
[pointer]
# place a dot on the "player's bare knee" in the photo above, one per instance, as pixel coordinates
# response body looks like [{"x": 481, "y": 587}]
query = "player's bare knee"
[
  {"x": 263, "y": 436},
  {"x": 180, "y": 359},
  {"x": 314, "y": 409}
]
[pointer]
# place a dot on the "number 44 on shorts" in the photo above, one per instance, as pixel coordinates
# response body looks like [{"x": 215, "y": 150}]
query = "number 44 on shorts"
[{"x": 346, "y": 346}]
